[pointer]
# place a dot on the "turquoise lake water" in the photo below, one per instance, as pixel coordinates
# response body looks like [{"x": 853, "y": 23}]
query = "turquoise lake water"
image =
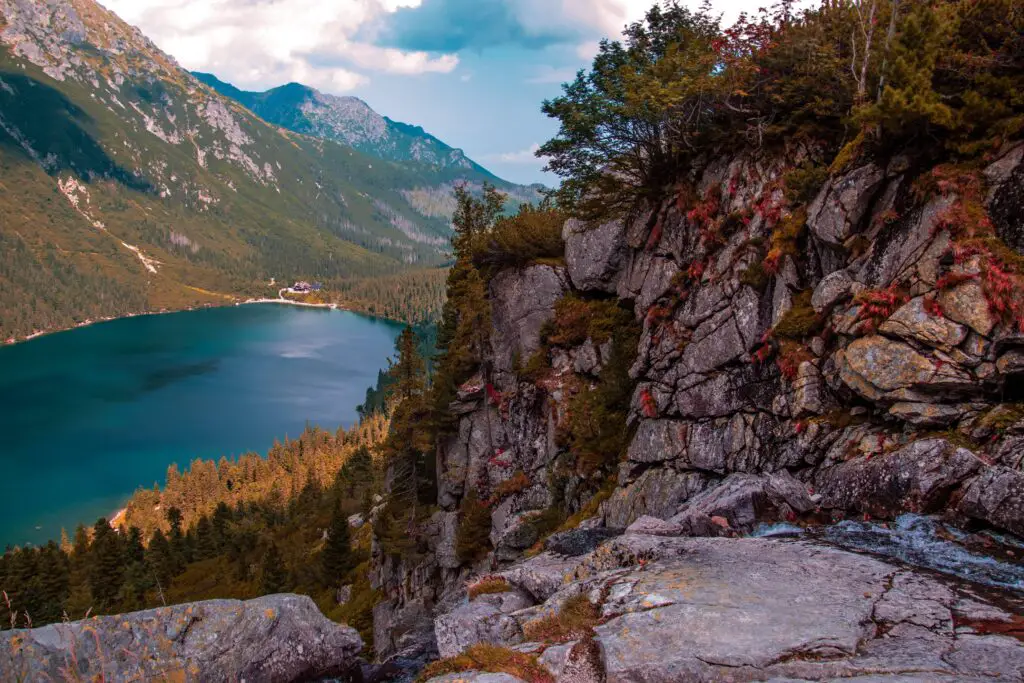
[{"x": 89, "y": 415}]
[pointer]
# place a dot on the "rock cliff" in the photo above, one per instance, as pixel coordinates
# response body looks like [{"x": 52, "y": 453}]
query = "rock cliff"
[{"x": 813, "y": 346}]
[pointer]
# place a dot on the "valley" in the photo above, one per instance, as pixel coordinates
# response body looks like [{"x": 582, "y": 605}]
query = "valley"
[{"x": 130, "y": 186}]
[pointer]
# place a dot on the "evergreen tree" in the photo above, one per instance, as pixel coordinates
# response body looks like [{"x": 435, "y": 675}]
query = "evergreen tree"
[
  {"x": 53, "y": 583},
  {"x": 179, "y": 547},
  {"x": 106, "y": 570},
  {"x": 273, "y": 574},
  {"x": 222, "y": 519},
  {"x": 206, "y": 544},
  {"x": 160, "y": 559},
  {"x": 336, "y": 557},
  {"x": 134, "y": 549}
]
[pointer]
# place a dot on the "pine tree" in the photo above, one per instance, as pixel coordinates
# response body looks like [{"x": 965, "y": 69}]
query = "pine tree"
[
  {"x": 106, "y": 570},
  {"x": 222, "y": 519},
  {"x": 179, "y": 546},
  {"x": 273, "y": 574},
  {"x": 336, "y": 557},
  {"x": 134, "y": 549},
  {"x": 53, "y": 583},
  {"x": 160, "y": 559},
  {"x": 206, "y": 544}
]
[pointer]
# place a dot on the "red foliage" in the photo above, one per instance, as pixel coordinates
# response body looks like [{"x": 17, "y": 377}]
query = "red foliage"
[
  {"x": 1003, "y": 292},
  {"x": 788, "y": 367},
  {"x": 493, "y": 395},
  {"x": 877, "y": 305},
  {"x": 773, "y": 261},
  {"x": 762, "y": 354},
  {"x": 658, "y": 314},
  {"x": 953, "y": 280},
  {"x": 768, "y": 209},
  {"x": 801, "y": 427},
  {"x": 933, "y": 307},
  {"x": 703, "y": 214},
  {"x": 647, "y": 404}
]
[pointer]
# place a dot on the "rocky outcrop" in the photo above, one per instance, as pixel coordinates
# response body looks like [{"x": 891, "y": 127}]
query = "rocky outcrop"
[
  {"x": 278, "y": 638},
  {"x": 848, "y": 356},
  {"x": 677, "y": 609}
]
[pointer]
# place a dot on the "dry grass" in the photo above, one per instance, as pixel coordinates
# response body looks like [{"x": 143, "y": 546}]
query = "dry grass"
[
  {"x": 576, "y": 619},
  {"x": 492, "y": 659},
  {"x": 517, "y": 483},
  {"x": 488, "y": 585}
]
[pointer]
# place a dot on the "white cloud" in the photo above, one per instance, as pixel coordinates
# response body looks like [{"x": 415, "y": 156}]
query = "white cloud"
[
  {"x": 264, "y": 43},
  {"x": 549, "y": 74},
  {"x": 524, "y": 156}
]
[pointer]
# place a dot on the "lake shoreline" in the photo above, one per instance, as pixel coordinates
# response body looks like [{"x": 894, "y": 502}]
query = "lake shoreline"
[
  {"x": 119, "y": 404},
  {"x": 12, "y": 341}
]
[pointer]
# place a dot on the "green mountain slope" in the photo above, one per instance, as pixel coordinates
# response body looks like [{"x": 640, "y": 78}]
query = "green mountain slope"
[{"x": 128, "y": 185}]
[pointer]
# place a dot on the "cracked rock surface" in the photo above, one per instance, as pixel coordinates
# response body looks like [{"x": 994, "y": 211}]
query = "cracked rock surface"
[
  {"x": 277, "y": 638},
  {"x": 715, "y": 609}
]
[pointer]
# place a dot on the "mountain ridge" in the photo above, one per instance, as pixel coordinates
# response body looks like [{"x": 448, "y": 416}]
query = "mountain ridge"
[{"x": 350, "y": 120}]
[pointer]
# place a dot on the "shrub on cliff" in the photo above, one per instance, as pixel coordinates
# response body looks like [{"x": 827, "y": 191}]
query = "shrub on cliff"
[
  {"x": 872, "y": 73},
  {"x": 473, "y": 538},
  {"x": 532, "y": 235}
]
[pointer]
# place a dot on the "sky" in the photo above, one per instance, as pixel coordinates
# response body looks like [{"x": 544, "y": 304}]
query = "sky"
[{"x": 471, "y": 72}]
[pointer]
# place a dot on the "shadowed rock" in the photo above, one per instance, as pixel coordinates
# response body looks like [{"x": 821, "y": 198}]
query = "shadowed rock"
[{"x": 278, "y": 638}]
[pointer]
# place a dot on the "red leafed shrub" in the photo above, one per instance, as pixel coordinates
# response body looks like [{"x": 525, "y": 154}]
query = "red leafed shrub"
[
  {"x": 877, "y": 305},
  {"x": 933, "y": 307},
  {"x": 1003, "y": 291},
  {"x": 762, "y": 354},
  {"x": 703, "y": 215},
  {"x": 647, "y": 404},
  {"x": 791, "y": 355},
  {"x": 493, "y": 395}
]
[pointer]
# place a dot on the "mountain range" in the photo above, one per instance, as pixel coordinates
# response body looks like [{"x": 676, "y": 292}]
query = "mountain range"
[
  {"x": 350, "y": 121},
  {"x": 132, "y": 185}
]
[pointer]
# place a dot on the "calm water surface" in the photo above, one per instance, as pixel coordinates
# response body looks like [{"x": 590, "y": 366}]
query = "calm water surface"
[{"x": 89, "y": 415}]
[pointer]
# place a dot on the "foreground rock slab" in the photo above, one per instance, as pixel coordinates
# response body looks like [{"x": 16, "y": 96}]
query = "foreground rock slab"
[
  {"x": 278, "y": 638},
  {"x": 714, "y": 609}
]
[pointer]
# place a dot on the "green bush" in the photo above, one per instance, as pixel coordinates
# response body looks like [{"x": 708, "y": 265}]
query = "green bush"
[{"x": 533, "y": 235}]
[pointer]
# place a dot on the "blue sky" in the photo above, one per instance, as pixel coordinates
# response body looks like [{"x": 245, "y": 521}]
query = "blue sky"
[{"x": 472, "y": 72}]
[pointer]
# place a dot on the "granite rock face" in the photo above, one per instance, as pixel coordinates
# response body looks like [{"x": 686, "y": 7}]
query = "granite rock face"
[
  {"x": 278, "y": 638},
  {"x": 862, "y": 370},
  {"x": 678, "y": 609}
]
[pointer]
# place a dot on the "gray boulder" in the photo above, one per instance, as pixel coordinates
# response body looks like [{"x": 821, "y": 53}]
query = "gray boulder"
[
  {"x": 913, "y": 322},
  {"x": 275, "y": 638},
  {"x": 837, "y": 211},
  {"x": 522, "y": 300},
  {"x": 917, "y": 477},
  {"x": 657, "y": 492},
  {"x": 881, "y": 369},
  {"x": 997, "y": 497},
  {"x": 403, "y": 631},
  {"x": 594, "y": 255},
  {"x": 483, "y": 620},
  {"x": 744, "y": 500}
]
